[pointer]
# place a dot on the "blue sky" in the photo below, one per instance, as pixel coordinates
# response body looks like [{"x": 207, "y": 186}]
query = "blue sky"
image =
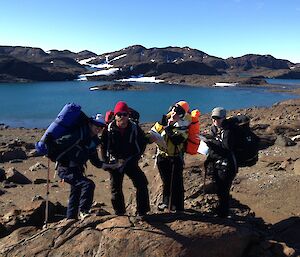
[{"x": 222, "y": 28}]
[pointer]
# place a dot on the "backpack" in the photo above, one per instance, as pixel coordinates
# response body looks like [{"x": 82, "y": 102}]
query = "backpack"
[
  {"x": 193, "y": 140},
  {"x": 68, "y": 119},
  {"x": 246, "y": 142}
]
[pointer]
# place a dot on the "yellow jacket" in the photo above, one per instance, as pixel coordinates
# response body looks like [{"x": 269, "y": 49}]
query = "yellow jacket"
[{"x": 175, "y": 137}]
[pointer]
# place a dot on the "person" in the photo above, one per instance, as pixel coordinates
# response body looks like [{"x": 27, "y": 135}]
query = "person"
[
  {"x": 173, "y": 128},
  {"x": 124, "y": 142},
  {"x": 221, "y": 160},
  {"x": 77, "y": 148}
]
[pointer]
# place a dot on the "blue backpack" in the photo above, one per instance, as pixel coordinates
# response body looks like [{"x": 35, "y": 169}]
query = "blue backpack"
[{"x": 69, "y": 118}]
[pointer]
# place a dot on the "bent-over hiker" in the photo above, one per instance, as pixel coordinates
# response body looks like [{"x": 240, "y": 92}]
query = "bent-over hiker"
[
  {"x": 124, "y": 141},
  {"x": 79, "y": 146},
  {"x": 221, "y": 161},
  {"x": 173, "y": 129}
]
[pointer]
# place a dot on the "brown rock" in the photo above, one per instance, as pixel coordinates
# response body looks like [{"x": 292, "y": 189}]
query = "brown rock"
[
  {"x": 186, "y": 237},
  {"x": 284, "y": 141},
  {"x": 34, "y": 215},
  {"x": 2, "y": 175},
  {"x": 15, "y": 176},
  {"x": 37, "y": 166},
  {"x": 9, "y": 155},
  {"x": 297, "y": 167},
  {"x": 120, "y": 222}
]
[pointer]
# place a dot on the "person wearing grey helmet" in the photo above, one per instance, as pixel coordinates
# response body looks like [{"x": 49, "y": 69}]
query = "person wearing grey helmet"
[{"x": 221, "y": 161}]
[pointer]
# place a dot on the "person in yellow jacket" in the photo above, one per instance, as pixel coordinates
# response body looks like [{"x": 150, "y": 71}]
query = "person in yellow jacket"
[{"x": 170, "y": 135}]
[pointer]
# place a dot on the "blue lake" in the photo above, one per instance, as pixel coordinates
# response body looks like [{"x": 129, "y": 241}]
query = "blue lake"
[{"x": 37, "y": 104}]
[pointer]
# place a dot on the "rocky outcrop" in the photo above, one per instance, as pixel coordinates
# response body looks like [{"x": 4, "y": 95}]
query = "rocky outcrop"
[
  {"x": 12, "y": 154},
  {"x": 23, "y": 64},
  {"x": 250, "y": 61},
  {"x": 14, "y": 176},
  {"x": 159, "y": 235},
  {"x": 295, "y": 74},
  {"x": 116, "y": 87}
]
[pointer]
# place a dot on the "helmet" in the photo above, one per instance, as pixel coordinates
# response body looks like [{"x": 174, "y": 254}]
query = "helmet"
[
  {"x": 185, "y": 106},
  {"x": 98, "y": 120}
]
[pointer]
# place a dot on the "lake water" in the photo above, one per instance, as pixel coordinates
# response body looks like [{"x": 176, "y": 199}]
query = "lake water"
[{"x": 37, "y": 104}]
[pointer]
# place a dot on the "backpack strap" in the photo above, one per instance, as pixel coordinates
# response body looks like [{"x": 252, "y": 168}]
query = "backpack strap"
[
  {"x": 109, "y": 130},
  {"x": 73, "y": 145},
  {"x": 134, "y": 133}
]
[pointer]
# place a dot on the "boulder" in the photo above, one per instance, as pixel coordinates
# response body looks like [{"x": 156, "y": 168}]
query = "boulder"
[
  {"x": 33, "y": 215},
  {"x": 12, "y": 175},
  {"x": 296, "y": 138},
  {"x": 288, "y": 231},
  {"x": 2, "y": 175},
  {"x": 284, "y": 141},
  {"x": 186, "y": 236},
  {"x": 297, "y": 167},
  {"x": 37, "y": 166},
  {"x": 3, "y": 231},
  {"x": 12, "y": 154},
  {"x": 2, "y": 192},
  {"x": 39, "y": 181},
  {"x": 169, "y": 235},
  {"x": 118, "y": 236}
]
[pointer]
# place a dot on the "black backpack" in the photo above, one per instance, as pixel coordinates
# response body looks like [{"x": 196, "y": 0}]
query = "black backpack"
[
  {"x": 246, "y": 142},
  {"x": 134, "y": 115}
]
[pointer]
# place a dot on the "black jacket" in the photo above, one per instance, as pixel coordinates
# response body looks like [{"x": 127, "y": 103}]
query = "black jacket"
[
  {"x": 223, "y": 143},
  {"x": 78, "y": 147},
  {"x": 131, "y": 144}
]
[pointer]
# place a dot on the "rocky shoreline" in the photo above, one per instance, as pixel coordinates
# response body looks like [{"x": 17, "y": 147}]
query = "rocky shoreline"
[{"x": 265, "y": 217}]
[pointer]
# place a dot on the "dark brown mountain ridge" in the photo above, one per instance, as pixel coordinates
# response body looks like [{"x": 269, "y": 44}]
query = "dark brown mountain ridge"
[{"x": 171, "y": 62}]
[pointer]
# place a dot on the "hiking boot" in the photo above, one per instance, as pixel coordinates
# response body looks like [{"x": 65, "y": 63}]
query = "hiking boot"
[
  {"x": 162, "y": 206},
  {"x": 84, "y": 214}
]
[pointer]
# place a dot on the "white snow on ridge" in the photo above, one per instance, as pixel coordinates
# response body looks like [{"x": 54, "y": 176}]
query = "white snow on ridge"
[
  {"x": 118, "y": 57},
  {"x": 85, "y": 61},
  {"x": 142, "y": 79},
  {"x": 108, "y": 72},
  {"x": 101, "y": 66}
]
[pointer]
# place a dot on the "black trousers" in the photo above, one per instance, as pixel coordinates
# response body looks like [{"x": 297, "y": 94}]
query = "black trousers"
[
  {"x": 171, "y": 173},
  {"x": 223, "y": 179},
  {"x": 140, "y": 183}
]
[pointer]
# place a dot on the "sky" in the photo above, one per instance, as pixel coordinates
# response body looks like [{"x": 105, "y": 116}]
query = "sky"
[{"x": 223, "y": 28}]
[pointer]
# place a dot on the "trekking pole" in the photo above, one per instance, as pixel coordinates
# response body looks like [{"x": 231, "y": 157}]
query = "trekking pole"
[
  {"x": 47, "y": 196},
  {"x": 171, "y": 185}
]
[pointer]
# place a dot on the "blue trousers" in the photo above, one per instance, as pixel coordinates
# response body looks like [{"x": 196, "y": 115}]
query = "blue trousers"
[{"x": 82, "y": 190}]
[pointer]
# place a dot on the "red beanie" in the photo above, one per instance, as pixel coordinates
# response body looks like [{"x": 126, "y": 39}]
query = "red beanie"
[{"x": 121, "y": 107}]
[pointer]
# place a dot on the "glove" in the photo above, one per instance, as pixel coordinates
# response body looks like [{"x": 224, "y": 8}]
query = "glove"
[{"x": 164, "y": 120}]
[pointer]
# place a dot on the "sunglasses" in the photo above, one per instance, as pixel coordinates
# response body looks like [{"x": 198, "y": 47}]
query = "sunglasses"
[
  {"x": 179, "y": 111},
  {"x": 216, "y": 118},
  {"x": 124, "y": 114}
]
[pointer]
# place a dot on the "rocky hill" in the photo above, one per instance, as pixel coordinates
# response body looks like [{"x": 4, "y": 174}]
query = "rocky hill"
[
  {"x": 173, "y": 64},
  {"x": 21, "y": 64},
  {"x": 264, "y": 215}
]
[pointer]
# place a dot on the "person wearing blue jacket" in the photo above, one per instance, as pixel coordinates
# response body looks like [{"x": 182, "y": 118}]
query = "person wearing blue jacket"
[{"x": 77, "y": 148}]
